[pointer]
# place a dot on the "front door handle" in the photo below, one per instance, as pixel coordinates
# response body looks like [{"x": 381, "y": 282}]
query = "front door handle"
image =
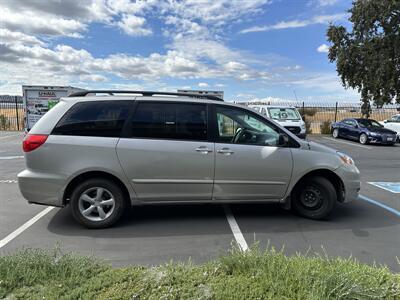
[
  {"x": 203, "y": 150},
  {"x": 225, "y": 151}
]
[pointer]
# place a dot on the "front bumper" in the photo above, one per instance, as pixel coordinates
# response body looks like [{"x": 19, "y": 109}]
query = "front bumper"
[
  {"x": 41, "y": 188},
  {"x": 382, "y": 139},
  {"x": 350, "y": 176}
]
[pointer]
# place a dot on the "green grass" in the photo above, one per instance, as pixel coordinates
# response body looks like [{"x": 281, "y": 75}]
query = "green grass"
[{"x": 38, "y": 274}]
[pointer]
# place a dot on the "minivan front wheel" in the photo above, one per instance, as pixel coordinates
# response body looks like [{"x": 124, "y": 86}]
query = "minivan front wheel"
[
  {"x": 314, "y": 198},
  {"x": 97, "y": 203}
]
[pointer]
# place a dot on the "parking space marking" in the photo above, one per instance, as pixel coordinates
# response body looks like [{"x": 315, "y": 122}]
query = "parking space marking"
[
  {"x": 393, "y": 187},
  {"x": 347, "y": 143},
  {"x": 11, "y": 157},
  {"x": 11, "y": 135},
  {"x": 25, "y": 226},
  {"x": 8, "y": 181},
  {"x": 240, "y": 240},
  {"x": 392, "y": 210}
]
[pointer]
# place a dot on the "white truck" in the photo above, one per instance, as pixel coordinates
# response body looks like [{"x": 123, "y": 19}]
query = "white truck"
[
  {"x": 39, "y": 99},
  {"x": 286, "y": 116},
  {"x": 393, "y": 124}
]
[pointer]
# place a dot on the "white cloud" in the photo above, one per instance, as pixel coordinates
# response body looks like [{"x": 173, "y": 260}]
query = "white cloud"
[
  {"x": 195, "y": 30},
  {"x": 8, "y": 36},
  {"x": 324, "y": 48},
  {"x": 133, "y": 25},
  {"x": 203, "y": 84},
  {"x": 320, "y": 19},
  {"x": 213, "y": 12},
  {"x": 93, "y": 77},
  {"x": 38, "y": 23},
  {"x": 326, "y": 2}
]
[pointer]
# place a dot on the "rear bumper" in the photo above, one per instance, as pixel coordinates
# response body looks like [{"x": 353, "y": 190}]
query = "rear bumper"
[
  {"x": 350, "y": 176},
  {"x": 41, "y": 188}
]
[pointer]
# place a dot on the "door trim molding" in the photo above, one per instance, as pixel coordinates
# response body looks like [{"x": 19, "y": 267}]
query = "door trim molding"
[
  {"x": 173, "y": 181},
  {"x": 249, "y": 182}
]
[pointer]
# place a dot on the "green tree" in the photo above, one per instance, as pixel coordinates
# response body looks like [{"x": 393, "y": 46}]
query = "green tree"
[{"x": 368, "y": 57}]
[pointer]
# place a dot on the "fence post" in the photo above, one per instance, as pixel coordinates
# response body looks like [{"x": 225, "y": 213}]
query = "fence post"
[
  {"x": 303, "y": 108},
  {"x": 336, "y": 112},
  {"x": 16, "y": 111}
]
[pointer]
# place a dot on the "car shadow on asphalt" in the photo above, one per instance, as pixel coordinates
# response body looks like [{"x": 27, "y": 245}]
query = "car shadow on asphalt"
[
  {"x": 180, "y": 220},
  {"x": 356, "y": 216},
  {"x": 150, "y": 221}
]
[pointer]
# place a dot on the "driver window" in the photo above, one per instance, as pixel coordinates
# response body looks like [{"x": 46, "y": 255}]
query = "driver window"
[{"x": 237, "y": 126}]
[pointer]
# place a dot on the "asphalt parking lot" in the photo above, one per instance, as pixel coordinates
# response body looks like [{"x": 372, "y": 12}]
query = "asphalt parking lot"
[{"x": 368, "y": 229}]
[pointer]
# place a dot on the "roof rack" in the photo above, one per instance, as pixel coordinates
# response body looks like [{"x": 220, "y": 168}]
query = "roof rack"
[{"x": 144, "y": 93}]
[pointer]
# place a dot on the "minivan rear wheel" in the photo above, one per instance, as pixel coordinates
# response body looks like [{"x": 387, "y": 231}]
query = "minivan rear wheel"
[
  {"x": 314, "y": 198},
  {"x": 97, "y": 203}
]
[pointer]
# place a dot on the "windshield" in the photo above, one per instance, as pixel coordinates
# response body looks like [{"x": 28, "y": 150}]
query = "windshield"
[
  {"x": 284, "y": 113},
  {"x": 369, "y": 123},
  {"x": 395, "y": 118}
]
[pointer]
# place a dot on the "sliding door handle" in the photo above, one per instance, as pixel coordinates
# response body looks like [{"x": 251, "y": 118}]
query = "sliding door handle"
[
  {"x": 225, "y": 151},
  {"x": 203, "y": 150}
]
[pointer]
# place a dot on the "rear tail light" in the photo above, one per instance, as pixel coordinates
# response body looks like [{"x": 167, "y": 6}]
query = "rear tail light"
[{"x": 33, "y": 141}]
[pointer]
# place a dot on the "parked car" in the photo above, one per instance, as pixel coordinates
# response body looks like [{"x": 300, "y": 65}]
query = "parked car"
[
  {"x": 393, "y": 124},
  {"x": 363, "y": 130},
  {"x": 287, "y": 116},
  {"x": 102, "y": 154}
]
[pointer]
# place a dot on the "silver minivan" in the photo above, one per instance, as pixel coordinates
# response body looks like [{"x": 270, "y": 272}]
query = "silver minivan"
[{"x": 103, "y": 153}]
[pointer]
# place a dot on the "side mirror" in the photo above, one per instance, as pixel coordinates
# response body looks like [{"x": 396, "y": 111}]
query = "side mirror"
[
  {"x": 283, "y": 140},
  {"x": 356, "y": 126}
]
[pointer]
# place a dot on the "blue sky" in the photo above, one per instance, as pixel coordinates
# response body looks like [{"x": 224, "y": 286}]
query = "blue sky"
[{"x": 249, "y": 48}]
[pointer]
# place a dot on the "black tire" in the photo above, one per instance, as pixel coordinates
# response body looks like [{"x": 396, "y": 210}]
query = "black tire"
[
  {"x": 110, "y": 187},
  {"x": 314, "y": 198},
  {"x": 363, "y": 139}
]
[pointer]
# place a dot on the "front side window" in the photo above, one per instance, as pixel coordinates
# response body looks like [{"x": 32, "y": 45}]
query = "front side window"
[
  {"x": 350, "y": 123},
  {"x": 369, "y": 123},
  {"x": 395, "y": 119},
  {"x": 94, "y": 118},
  {"x": 283, "y": 113},
  {"x": 170, "y": 121},
  {"x": 238, "y": 126}
]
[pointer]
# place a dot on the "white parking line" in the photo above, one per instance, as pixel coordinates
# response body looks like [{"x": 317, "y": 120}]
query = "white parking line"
[
  {"x": 347, "y": 143},
  {"x": 392, "y": 210},
  {"x": 11, "y": 135},
  {"x": 24, "y": 226},
  {"x": 393, "y": 187},
  {"x": 8, "y": 181},
  {"x": 10, "y": 157},
  {"x": 235, "y": 229}
]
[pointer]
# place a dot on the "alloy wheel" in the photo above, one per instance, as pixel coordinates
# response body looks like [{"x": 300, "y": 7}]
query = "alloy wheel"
[{"x": 96, "y": 204}]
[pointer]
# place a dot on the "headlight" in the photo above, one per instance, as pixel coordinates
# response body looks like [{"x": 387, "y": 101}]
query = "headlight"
[
  {"x": 345, "y": 158},
  {"x": 374, "y": 133},
  {"x": 303, "y": 126}
]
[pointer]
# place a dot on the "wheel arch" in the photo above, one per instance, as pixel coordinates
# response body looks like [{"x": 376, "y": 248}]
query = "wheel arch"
[
  {"x": 94, "y": 174},
  {"x": 329, "y": 175}
]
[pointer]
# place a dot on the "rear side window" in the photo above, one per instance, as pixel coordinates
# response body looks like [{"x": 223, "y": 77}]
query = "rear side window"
[
  {"x": 170, "y": 121},
  {"x": 94, "y": 118}
]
